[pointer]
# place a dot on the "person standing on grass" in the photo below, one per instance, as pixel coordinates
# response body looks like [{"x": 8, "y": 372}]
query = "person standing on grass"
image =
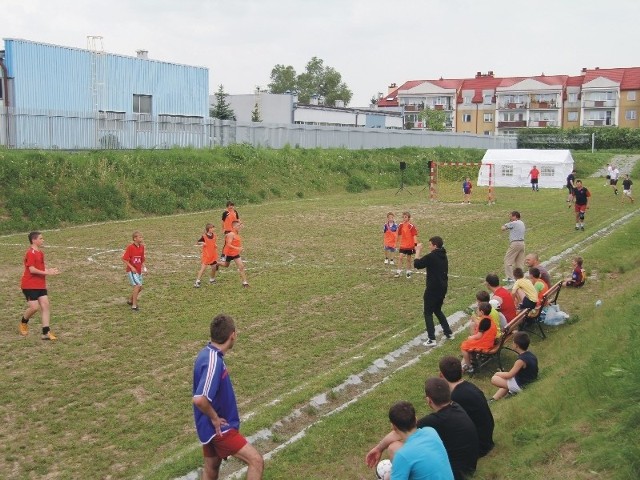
[
  {"x": 133, "y": 258},
  {"x": 614, "y": 179},
  {"x": 229, "y": 216},
  {"x": 534, "y": 173},
  {"x": 523, "y": 372},
  {"x": 452, "y": 424},
  {"x": 215, "y": 409},
  {"x": 609, "y": 170},
  {"x": 471, "y": 399},
  {"x": 437, "y": 266},
  {"x": 582, "y": 196},
  {"x": 233, "y": 249},
  {"x": 515, "y": 253},
  {"x": 407, "y": 241},
  {"x": 34, "y": 287},
  {"x": 389, "y": 238},
  {"x": 626, "y": 188},
  {"x": 571, "y": 185},
  {"x": 467, "y": 186},
  {"x": 209, "y": 256}
]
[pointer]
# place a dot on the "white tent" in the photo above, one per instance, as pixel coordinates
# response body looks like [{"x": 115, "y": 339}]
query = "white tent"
[{"x": 511, "y": 167}]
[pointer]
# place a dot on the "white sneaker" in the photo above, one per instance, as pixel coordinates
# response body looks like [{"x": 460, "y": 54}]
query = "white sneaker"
[
  {"x": 430, "y": 343},
  {"x": 397, "y": 274},
  {"x": 391, "y": 262},
  {"x": 451, "y": 336},
  {"x": 197, "y": 284},
  {"x": 386, "y": 261},
  {"x": 408, "y": 273},
  {"x": 212, "y": 281}
]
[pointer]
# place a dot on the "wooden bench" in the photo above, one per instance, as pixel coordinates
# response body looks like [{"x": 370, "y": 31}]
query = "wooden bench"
[
  {"x": 534, "y": 319},
  {"x": 479, "y": 358}
]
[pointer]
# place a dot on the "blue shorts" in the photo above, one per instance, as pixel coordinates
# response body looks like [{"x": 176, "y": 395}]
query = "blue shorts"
[
  {"x": 135, "y": 279},
  {"x": 390, "y": 249}
]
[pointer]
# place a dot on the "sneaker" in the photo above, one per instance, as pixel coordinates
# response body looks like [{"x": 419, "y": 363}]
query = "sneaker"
[
  {"x": 430, "y": 343},
  {"x": 212, "y": 281},
  {"x": 508, "y": 280},
  {"x": 222, "y": 259},
  {"x": 396, "y": 275},
  {"x": 577, "y": 227},
  {"x": 49, "y": 336},
  {"x": 616, "y": 192},
  {"x": 582, "y": 228},
  {"x": 451, "y": 336},
  {"x": 245, "y": 284},
  {"x": 408, "y": 273},
  {"x": 465, "y": 367},
  {"x": 391, "y": 262},
  {"x": 386, "y": 261},
  {"x": 196, "y": 284},
  {"x": 135, "y": 309},
  {"x": 24, "y": 329}
]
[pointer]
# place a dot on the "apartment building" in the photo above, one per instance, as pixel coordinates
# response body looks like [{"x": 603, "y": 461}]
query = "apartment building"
[{"x": 490, "y": 105}]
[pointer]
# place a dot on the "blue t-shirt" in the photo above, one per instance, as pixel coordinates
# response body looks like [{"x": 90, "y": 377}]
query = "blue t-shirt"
[
  {"x": 211, "y": 380},
  {"x": 422, "y": 457}
]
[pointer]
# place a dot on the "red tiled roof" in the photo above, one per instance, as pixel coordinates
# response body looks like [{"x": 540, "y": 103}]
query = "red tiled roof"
[
  {"x": 575, "y": 81},
  {"x": 391, "y": 99},
  {"x": 628, "y": 78},
  {"x": 479, "y": 84}
]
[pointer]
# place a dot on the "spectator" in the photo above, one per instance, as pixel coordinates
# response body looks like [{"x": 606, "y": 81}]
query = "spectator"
[
  {"x": 523, "y": 372},
  {"x": 532, "y": 260},
  {"x": 507, "y": 306}
]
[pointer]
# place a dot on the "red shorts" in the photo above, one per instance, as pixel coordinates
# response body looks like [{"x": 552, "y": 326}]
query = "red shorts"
[
  {"x": 224, "y": 446},
  {"x": 580, "y": 208}
]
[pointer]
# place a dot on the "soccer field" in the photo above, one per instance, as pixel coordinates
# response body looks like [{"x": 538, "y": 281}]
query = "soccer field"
[{"x": 112, "y": 397}]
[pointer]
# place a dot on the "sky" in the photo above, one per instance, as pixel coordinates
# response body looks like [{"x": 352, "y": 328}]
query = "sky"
[{"x": 371, "y": 43}]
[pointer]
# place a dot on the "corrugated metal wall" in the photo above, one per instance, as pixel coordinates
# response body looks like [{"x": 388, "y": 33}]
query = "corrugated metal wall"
[{"x": 62, "y": 79}]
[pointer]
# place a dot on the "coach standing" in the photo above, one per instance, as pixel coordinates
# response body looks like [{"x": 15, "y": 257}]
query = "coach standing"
[
  {"x": 437, "y": 266},
  {"x": 515, "y": 253}
]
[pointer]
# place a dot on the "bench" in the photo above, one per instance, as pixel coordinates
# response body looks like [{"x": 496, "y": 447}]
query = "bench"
[
  {"x": 479, "y": 358},
  {"x": 534, "y": 319}
]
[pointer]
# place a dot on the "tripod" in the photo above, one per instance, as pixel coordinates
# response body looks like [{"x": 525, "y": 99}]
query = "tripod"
[{"x": 403, "y": 166}]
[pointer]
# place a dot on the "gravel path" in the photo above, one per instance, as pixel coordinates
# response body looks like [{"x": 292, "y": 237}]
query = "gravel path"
[{"x": 624, "y": 162}]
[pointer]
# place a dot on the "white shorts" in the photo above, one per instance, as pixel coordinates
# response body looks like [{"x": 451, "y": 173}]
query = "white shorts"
[
  {"x": 135, "y": 279},
  {"x": 513, "y": 385},
  {"x": 627, "y": 192}
]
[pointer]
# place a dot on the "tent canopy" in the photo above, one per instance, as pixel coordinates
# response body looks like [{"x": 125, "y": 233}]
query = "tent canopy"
[{"x": 511, "y": 167}]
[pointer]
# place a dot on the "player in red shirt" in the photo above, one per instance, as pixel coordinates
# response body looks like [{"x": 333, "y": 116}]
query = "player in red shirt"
[
  {"x": 233, "y": 249},
  {"x": 34, "y": 287},
  {"x": 209, "y": 257},
  {"x": 407, "y": 241},
  {"x": 534, "y": 174},
  {"x": 133, "y": 258}
]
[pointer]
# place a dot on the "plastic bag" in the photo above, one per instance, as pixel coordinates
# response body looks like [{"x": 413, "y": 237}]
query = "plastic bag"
[{"x": 552, "y": 315}]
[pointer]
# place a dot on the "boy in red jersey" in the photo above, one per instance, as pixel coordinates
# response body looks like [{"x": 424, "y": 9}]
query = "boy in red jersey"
[
  {"x": 229, "y": 216},
  {"x": 133, "y": 258},
  {"x": 209, "y": 254},
  {"x": 232, "y": 250},
  {"x": 389, "y": 238},
  {"x": 34, "y": 287},
  {"x": 407, "y": 241}
]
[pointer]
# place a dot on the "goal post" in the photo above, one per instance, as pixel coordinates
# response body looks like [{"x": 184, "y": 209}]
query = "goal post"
[{"x": 483, "y": 176}]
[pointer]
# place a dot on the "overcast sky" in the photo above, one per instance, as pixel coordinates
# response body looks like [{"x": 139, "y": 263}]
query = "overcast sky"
[{"x": 372, "y": 43}]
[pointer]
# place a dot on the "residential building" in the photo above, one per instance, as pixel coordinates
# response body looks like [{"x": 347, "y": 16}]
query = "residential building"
[{"x": 490, "y": 105}]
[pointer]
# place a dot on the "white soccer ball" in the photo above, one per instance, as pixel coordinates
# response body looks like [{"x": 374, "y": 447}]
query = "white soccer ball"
[
  {"x": 598, "y": 303},
  {"x": 383, "y": 470}
]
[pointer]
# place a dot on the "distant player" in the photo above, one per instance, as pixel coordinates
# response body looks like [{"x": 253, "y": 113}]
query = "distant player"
[
  {"x": 626, "y": 188},
  {"x": 233, "y": 249},
  {"x": 571, "y": 179},
  {"x": 389, "y": 238},
  {"x": 133, "y": 258},
  {"x": 229, "y": 216},
  {"x": 466, "y": 190},
  {"x": 209, "y": 257},
  {"x": 34, "y": 287},
  {"x": 407, "y": 241},
  {"x": 534, "y": 173},
  {"x": 582, "y": 196}
]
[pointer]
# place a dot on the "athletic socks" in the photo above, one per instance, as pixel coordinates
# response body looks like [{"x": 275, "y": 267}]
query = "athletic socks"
[
  {"x": 45, "y": 330},
  {"x": 24, "y": 320}
]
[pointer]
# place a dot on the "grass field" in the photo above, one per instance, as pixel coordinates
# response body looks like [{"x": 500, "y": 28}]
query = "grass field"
[{"x": 112, "y": 398}]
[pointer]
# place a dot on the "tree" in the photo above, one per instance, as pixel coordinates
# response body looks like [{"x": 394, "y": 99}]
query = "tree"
[
  {"x": 434, "y": 119},
  {"x": 317, "y": 80},
  {"x": 222, "y": 109},
  {"x": 255, "y": 114}
]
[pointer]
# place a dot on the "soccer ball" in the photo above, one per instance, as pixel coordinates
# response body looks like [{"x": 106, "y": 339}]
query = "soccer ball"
[{"x": 383, "y": 470}]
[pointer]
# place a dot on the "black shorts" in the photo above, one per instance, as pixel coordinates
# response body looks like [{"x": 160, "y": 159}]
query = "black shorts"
[
  {"x": 534, "y": 180},
  {"x": 613, "y": 182},
  {"x": 407, "y": 251},
  {"x": 231, "y": 258},
  {"x": 570, "y": 188},
  {"x": 608, "y": 177},
  {"x": 33, "y": 294}
]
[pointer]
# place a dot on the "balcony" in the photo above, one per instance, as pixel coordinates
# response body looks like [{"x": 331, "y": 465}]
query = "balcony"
[
  {"x": 599, "y": 123},
  {"x": 514, "y": 124},
  {"x": 599, "y": 103},
  {"x": 413, "y": 108},
  {"x": 543, "y": 123},
  {"x": 542, "y": 105},
  {"x": 512, "y": 106}
]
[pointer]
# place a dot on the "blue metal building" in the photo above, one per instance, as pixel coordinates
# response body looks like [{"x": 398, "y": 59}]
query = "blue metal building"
[{"x": 62, "y": 97}]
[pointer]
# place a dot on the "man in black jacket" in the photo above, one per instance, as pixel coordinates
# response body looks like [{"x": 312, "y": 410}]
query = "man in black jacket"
[{"x": 437, "y": 267}]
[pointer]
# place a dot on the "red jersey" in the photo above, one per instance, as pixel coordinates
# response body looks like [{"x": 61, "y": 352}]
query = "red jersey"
[
  {"x": 407, "y": 234},
  {"x": 33, "y": 281},
  {"x": 390, "y": 234},
  {"x": 134, "y": 254},
  {"x": 228, "y": 217},
  {"x": 233, "y": 249},
  {"x": 535, "y": 173},
  {"x": 507, "y": 307}
]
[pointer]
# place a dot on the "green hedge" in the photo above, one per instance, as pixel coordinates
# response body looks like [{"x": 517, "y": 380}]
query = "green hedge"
[{"x": 606, "y": 138}]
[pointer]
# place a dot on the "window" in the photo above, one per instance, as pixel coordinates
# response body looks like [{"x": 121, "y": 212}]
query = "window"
[
  {"x": 573, "y": 97},
  {"x": 546, "y": 171},
  {"x": 487, "y": 99},
  {"x": 630, "y": 96},
  {"x": 487, "y": 132},
  {"x": 506, "y": 170},
  {"x": 488, "y": 117},
  {"x": 466, "y": 100},
  {"x": 0, "y": 88},
  {"x": 110, "y": 120},
  {"x": 466, "y": 118},
  {"x": 572, "y": 116},
  {"x": 631, "y": 115},
  {"x": 142, "y": 104}
]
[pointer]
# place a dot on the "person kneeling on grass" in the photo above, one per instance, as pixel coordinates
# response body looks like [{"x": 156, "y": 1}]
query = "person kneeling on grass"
[
  {"x": 523, "y": 372},
  {"x": 483, "y": 340},
  {"x": 577, "y": 276}
]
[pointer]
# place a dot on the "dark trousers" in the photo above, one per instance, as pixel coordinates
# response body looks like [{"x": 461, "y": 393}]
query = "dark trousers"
[{"x": 433, "y": 306}]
